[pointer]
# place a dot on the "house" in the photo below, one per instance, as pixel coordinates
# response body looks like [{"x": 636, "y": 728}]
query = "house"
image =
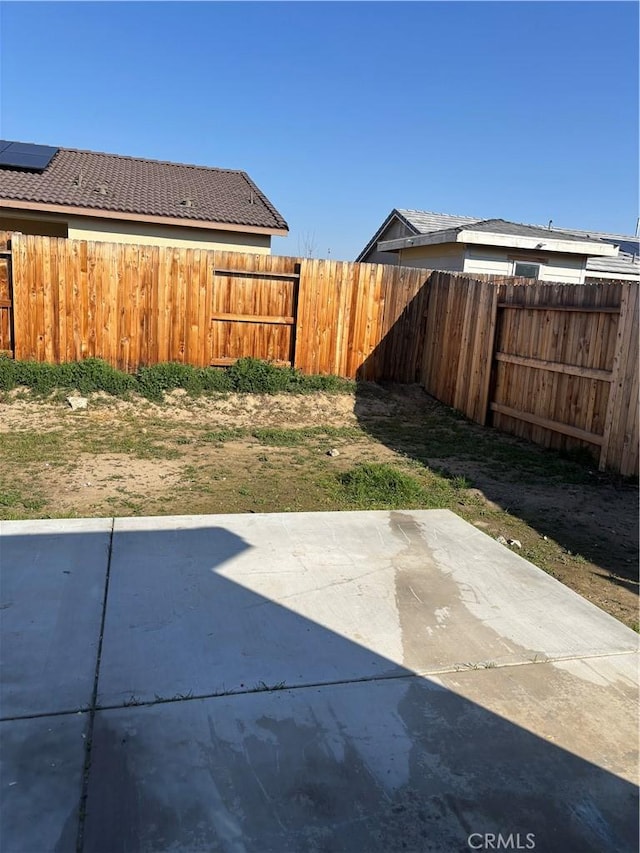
[
  {"x": 495, "y": 246},
  {"x": 85, "y": 195}
]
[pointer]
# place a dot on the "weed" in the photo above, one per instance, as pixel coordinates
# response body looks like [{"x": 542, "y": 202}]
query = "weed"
[
  {"x": 460, "y": 483},
  {"x": 250, "y": 375},
  {"x": 35, "y": 504},
  {"x": 9, "y": 497},
  {"x": 380, "y": 485},
  {"x": 222, "y": 435},
  {"x": 13, "y": 502},
  {"x": 247, "y": 375},
  {"x": 155, "y": 380},
  {"x": 292, "y": 437},
  {"x": 91, "y": 374}
]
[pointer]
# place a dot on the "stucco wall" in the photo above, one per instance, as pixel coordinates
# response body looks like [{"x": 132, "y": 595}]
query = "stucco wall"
[
  {"x": 118, "y": 231},
  {"x": 436, "y": 257},
  {"x": 121, "y": 231},
  {"x": 394, "y": 230},
  {"x": 33, "y": 225}
]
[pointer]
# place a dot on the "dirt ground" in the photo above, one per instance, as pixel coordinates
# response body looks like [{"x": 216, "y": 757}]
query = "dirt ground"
[{"x": 254, "y": 453}]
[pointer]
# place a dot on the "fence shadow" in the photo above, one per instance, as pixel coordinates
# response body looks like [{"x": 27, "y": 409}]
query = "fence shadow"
[
  {"x": 385, "y": 762},
  {"x": 559, "y": 494}
]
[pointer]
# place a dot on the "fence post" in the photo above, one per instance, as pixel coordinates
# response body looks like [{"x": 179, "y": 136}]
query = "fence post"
[
  {"x": 486, "y": 388},
  {"x": 623, "y": 338},
  {"x": 300, "y": 344}
]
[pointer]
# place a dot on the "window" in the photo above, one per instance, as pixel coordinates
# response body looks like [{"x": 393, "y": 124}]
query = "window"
[{"x": 526, "y": 270}]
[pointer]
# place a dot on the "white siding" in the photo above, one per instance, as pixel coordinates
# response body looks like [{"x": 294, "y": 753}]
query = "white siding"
[
  {"x": 567, "y": 269},
  {"x": 592, "y": 276},
  {"x": 487, "y": 261}
]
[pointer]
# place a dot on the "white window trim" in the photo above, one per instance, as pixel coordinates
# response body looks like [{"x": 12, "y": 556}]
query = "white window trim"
[{"x": 528, "y": 263}]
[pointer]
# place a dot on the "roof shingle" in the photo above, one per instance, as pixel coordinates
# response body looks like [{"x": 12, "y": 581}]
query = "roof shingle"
[{"x": 131, "y": 185}]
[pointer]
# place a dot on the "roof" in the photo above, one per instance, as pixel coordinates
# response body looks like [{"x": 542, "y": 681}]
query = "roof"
[
  {"x": 627, "y": 260},
  {"x": 517, "y": 229},
  {"x": 98, "y": 182},
  {"x": 421, "y": 222},
  {"x": 500, "y": 232},
  {"x": 623, "y": 263}
]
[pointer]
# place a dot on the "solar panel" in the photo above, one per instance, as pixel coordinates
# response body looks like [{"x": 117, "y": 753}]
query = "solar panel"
[{"x": 24, "y": 155}]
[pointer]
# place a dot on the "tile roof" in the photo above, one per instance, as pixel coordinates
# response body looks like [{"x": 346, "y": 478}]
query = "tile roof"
[{"x": 132, "y": 185}]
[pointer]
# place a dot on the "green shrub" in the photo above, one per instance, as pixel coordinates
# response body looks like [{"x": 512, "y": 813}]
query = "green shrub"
[
  {"x": 95, "y": 374},
  {"x": 247, "y": 375},
  {"x": 215, "y": 379},
  {"x": 91, "y": 374},
  {"x": 154, "y": 380},
  {"x": 7, "y": 373},
  {"x": 40, "y": 377},
  {"x": 252, "y": 376},
  {"x": 328, "y": 384}
]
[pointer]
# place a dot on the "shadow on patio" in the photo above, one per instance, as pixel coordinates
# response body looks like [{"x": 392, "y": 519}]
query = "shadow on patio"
[{"x": 234, "y": 713}]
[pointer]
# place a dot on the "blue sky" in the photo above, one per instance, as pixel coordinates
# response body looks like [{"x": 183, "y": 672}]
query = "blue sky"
[{"x": 342, "y": 111}]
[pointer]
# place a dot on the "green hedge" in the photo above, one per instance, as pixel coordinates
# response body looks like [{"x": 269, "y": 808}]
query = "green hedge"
[{"x": 249, "y": 375}]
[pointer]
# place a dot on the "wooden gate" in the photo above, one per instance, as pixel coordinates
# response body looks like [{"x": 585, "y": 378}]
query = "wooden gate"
[
  {"x": 557, "y": 351},
  {"x": 6, "y": 297},
  {"x": 556, "y": 364},
  {"x": 254, "y": 309}
]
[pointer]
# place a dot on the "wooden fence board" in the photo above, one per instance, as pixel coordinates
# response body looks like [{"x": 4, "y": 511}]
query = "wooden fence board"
[
  {"x": 6, "y": 296},
  {"x": 623, "y": 396}
]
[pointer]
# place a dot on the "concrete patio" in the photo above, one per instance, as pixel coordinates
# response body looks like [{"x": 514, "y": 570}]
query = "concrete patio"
[{"x": 366, "y": 682}]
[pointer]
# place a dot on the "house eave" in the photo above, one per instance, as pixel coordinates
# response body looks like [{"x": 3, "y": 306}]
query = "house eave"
[
  {"x": 432, "y": 238},
  {"x": 513, "y": 241},
  {"x": 507, "y": 241},
  {"x": 395, "y": 214},
  {"x": 123, "y": 216}
]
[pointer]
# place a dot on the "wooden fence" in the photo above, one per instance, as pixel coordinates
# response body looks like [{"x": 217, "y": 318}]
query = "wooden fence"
[
  {"x": 557, "y": 364},
  {"x": 134, "y": 305},
  {"x": 554, "y": 363}
]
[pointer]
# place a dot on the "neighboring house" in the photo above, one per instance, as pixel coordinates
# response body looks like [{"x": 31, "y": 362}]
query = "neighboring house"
[
  {"x": 63, "y": 192},
  {"x": 467, "y": 244}
]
